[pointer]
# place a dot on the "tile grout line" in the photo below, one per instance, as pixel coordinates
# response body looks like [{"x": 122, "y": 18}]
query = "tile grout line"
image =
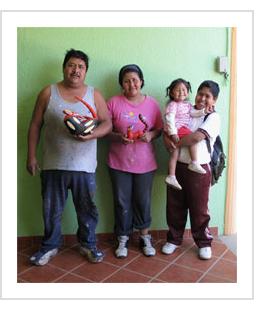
[
  {"x": 65, "y": 271},
  {"x": 120, "y": 268},
  {"x": 73, "y": 274},
  {"x": 206, "y": 272},
  {"x": 170, "y": 263}
]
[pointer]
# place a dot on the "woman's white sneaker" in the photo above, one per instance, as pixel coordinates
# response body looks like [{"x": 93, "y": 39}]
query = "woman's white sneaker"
[
  {"x": 121, "y": 251},
  {"x": 168, "y": 248},
  {"x": 145, "y": 243},
  {"x": 205, "y": 253}
]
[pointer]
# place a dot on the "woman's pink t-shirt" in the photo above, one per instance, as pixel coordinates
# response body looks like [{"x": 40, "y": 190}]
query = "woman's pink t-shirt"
[{"x": 138, "y": 157}]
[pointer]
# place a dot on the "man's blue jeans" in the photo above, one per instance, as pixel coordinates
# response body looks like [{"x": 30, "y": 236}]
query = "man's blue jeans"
[{"x": 55, "y": 186}]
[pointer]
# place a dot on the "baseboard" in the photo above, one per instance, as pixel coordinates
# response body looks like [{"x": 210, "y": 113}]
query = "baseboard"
[{"x": 28, "y": 241}]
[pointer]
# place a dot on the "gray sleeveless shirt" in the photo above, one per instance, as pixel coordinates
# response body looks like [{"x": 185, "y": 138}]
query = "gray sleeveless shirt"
[{"x": 61, "y": 151}]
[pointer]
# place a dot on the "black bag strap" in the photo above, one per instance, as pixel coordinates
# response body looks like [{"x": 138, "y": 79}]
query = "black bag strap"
[{"x": 206, "y": 139}]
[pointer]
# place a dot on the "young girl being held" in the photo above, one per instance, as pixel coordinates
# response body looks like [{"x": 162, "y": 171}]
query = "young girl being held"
[{"x": 178, "y": 115}]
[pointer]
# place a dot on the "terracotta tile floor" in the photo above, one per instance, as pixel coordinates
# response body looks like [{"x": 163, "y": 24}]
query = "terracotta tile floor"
[{"x": 182, "y": 266}]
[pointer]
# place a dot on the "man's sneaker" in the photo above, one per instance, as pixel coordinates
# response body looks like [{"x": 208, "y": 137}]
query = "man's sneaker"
[
  {"x": 172, "y": 181},
  {"x": 93, "y": 255},
  {"x": 121, "y": 251},
  {"x": 168, "y": 248},
  {"x": 196, "y": 168},
  {"x": 145, "y": 243},
  {"x": 41, "y": 257},
  {"x": 205, "y": 253}
]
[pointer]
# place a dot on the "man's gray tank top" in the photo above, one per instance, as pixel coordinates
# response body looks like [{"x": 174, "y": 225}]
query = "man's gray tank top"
[{"x": 61, "y": 151}]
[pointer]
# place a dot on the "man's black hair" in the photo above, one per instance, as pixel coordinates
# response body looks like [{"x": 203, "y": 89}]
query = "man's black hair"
[
  {"x": 213, "y": 86},
  {"x": 76, "y": 54}
]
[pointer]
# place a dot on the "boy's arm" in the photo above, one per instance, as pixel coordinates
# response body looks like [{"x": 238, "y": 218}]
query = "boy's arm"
[
  {"x": 35, "y": 128},
  {"x": 192, "y": 138}
]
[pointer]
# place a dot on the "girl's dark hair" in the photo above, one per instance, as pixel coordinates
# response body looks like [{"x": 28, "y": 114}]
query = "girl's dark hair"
[
  {"x": 76, "y": 54},
  {"x": 176, "y": 82},
  {"x": 213, "y": 86},
  {"x": 130, "y": 68}
]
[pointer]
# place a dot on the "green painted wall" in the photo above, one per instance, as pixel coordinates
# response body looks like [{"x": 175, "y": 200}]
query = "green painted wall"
[{"x": 163, "y": 53}]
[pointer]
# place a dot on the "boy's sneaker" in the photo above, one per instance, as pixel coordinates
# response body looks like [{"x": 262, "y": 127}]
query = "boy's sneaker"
[
  {"x": 196, "y": 168},
  {"x": 172, "y": 181},
  {"x": 145, "y": 243},
  {"x": 205, "y": 253},
  {"x": 168, "y": 248},
  {"x": 41, "y": 257},
  {"x": 93, "y": 255},
  {"x": 121, "y": 251}
]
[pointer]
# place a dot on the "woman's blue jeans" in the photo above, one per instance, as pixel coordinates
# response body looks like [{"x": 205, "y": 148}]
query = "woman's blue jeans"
[
  {"x": 132, "y": 200},
  {"x": 55, "y": 186}
]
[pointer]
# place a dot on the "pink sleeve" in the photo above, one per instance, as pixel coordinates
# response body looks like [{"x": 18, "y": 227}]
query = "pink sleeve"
[
  {"x": 158, "y": 120},
  {"x": 110, "y": 107},
  {"x": 171, "y": 107}
]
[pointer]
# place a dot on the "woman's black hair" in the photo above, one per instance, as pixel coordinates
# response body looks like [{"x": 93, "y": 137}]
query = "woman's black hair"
[
  {"x": 213, "y": 86},
  {"x": 76, "y": 54},
  {"x": 130, "y": 68},
  {"x": 176, "y": 82}
]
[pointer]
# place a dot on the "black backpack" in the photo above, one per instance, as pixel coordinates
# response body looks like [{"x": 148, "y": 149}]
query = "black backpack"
[{"x": 218, "y": 162}]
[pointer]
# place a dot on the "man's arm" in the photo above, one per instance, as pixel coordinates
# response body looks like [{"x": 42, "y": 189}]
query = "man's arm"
[
  {"x": 105, "y": 123},
  {"x": 35, "y": 128}
]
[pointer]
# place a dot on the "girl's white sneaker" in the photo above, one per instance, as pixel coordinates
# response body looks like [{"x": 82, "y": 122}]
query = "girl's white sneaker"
[
  {"x": 196, "y": 168},
  {"x": 172, "y": 181}
]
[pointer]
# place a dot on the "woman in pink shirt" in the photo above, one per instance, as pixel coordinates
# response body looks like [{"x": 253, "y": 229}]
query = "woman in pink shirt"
[{"x": 137, "y": 121}]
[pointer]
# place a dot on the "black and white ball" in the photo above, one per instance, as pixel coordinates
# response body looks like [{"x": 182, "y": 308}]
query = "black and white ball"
[{"x": 78, "y": 127}]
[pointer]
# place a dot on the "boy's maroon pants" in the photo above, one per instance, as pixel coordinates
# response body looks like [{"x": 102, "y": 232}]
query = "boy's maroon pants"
[{"x": 193, "y": 197}]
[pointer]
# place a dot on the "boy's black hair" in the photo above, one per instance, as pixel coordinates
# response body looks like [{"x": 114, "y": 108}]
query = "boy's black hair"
[
  {"x": 176, "y": 82},
  {"x": 76, "y": 54},
  {"x": 130, "y": 68},
  {"x": 213, "y": 86}
]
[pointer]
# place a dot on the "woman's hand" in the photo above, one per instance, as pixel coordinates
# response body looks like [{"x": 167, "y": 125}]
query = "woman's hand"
[
  {"x": 147, "y": 137},
  {"x": 125, "y": 140}
]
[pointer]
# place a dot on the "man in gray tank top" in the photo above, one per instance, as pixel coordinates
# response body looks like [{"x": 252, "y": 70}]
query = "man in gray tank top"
[{"x": 69, "y": 161}]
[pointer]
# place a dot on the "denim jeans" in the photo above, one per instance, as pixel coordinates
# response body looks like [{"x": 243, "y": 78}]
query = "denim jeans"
[
  {"x": 132, "y": 200},
  {"x": 55, "y": 186}
]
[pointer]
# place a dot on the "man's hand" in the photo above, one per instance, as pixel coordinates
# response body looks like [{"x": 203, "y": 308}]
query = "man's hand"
[{"x": 32, "y": 166}]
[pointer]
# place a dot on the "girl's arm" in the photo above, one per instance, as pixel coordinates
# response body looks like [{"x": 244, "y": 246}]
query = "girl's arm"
[{"x": 170, "y": 123}]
